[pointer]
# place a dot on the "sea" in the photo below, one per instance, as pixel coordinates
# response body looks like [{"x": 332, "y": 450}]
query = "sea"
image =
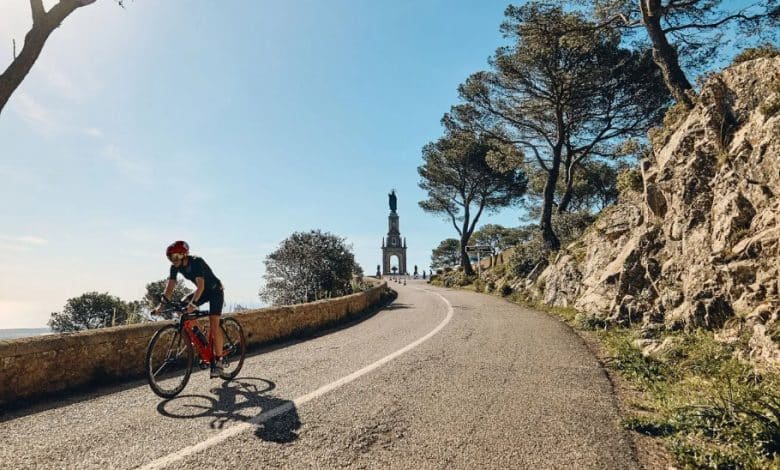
[{"x": 11, "y": 333}]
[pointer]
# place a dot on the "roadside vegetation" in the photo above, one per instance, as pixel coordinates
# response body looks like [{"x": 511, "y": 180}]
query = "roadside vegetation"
[
  {"x": 93, "y": 310},
  {"x": 310, "y": 266},
  {"x": 583, "y": 95},
  {"x": 711, "y": 407}
]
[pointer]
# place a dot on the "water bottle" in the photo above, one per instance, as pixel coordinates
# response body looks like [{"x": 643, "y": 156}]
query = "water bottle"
[{"x": 200, "y": 335}]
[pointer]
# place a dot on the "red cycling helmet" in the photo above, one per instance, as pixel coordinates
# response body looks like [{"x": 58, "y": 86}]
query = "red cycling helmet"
[{"x": 178, "y": 246}]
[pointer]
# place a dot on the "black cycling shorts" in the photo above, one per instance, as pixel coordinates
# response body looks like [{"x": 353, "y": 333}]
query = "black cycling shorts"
[{"x": 215, "y": 298}]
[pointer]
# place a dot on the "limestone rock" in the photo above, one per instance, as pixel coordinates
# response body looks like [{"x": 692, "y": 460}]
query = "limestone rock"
[{"x": 701, "y": 244}]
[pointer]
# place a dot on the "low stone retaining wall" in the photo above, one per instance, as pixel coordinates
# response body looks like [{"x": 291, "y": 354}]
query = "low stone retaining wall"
[{"x": 43, "y": 365}]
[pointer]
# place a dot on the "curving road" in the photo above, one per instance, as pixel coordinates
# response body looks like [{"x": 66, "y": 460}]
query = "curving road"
[{"x": 439, "y": 379}]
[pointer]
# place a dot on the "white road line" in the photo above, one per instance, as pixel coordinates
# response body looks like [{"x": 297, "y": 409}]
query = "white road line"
[{"x": 266, "y": 415}]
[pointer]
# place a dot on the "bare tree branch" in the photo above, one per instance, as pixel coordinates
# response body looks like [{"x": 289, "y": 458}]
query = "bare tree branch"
[
  {"x": 43, "y": 24},
  {"x": 739, "y": 15},
  {"x": 38, "y": 12}
]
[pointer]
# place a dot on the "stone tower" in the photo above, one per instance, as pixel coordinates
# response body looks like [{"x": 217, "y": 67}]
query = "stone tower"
[{"x": 393, "y": 245}]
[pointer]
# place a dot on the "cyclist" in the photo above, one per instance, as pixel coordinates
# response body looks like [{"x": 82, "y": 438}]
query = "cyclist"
[{"x": 209, "y": 289}]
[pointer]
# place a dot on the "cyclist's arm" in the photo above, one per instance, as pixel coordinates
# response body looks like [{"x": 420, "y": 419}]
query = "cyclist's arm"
[
  {"x": 168, "y": 293},
  {"x": 201, "y": 283}
]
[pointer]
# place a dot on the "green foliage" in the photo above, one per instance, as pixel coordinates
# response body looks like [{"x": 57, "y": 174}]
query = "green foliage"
[
  {"x": 772, "y": 105},
  {"x": 498, "y": 237},
  {"x": 308, "y": 266},
  {"x": 714, "y": 410},
  {"x": 359, "y": 285},
  {"x": 456, "y": 278},
  {"x": 506, "y": 290},
  {"x": 571, "y": 225},
  {"x": 461, "y": 184},
  {"x": 629, "y": 360},
  {"x": 767, "y": 50},
  {"x": 709, "y": 26},
  {"x": 527, "y": 255},
  {"x": 91, "y": 310},
  {"x": 673, "y": 117},
  {"x": 590, "y": 322},
  {"x": 567, "y": 93},
  {"x": 498, "y": 270},
  {"x": 446, "y": 254},
  {"x": 630, "y": 180}
]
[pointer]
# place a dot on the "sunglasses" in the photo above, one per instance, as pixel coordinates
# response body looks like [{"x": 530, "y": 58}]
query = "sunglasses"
[{"x": 176, "y": 257}]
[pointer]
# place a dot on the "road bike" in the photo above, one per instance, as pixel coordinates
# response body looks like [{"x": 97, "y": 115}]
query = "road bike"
[{"x": 169, "y": 356}]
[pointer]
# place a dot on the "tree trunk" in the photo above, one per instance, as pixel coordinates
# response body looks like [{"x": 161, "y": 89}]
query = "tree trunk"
[
  {"x": 563, "y": 205},
  {"x": 664, "y": 54},
  {"x": 548, "y": 234},
  {"x": 43, "y": 25},
  {"x": 551, "y": 240},
  {"x": 464, "y": 240},
  {"x": 464, "y": 259}
]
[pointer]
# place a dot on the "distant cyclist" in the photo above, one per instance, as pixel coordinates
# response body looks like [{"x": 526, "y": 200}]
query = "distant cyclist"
[{"x": 209, "y": 289}]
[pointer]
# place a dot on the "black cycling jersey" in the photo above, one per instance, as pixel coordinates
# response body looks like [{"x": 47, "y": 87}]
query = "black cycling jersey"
[{"x": 197, "y": 267}]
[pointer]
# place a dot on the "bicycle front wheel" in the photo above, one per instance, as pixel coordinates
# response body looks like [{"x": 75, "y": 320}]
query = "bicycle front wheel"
[
  {"x": 168, "y": 361},
  {"x": 234, "y": 348}
]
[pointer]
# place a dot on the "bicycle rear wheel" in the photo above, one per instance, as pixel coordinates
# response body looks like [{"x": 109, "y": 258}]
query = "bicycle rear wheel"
[
  {"x": 234, "y": 347},
  {"x": 168, "y": 361}
]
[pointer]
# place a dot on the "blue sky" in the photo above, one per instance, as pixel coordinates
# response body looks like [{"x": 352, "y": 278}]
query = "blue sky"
[{"x": 226, "y": 124}]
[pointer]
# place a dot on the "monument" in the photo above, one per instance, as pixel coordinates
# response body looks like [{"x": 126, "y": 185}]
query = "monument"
[{"x": 394, "y": 245}]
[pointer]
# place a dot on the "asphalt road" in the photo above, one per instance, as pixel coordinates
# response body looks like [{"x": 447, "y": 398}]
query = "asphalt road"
[{"x": 439, "y": 379}]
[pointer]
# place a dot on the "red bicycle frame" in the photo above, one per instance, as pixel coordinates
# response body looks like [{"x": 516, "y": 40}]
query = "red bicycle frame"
[{"x": 204, "y": 350}]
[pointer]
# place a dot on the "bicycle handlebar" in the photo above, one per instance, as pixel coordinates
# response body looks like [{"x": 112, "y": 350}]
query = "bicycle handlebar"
[{"x": 173, "y": 306}]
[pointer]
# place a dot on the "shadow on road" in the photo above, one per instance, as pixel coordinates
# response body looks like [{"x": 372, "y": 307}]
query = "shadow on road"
[
  {"x": 397, "y": 306},
  {"x": 277, "y": 422}
]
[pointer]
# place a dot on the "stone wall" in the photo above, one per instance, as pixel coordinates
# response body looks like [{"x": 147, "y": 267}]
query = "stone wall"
[{"x": 43, "y": 365}]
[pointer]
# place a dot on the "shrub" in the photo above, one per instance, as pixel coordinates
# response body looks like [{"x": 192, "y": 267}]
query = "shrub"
[
  {"x": 506, "y": 290},
  {"x": 308, "y": 266},
  {"x": 772, "y": 105},
  {"x": 462, "y": 279},
  {"x": 527, "y": 255},
  {"x": 569, "y": 226},
  {"x": 751, "y": 53},
  {"x": 629, "y": 180},
  {"x": 714, "y": 410},
  {"x": 673, "y": 117},
  {"x": 590, "y": 322},
  {"x": 499, "y": 270}
]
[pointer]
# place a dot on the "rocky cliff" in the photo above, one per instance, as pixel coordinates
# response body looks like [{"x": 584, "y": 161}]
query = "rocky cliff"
[{"x": 698, "y": 243}]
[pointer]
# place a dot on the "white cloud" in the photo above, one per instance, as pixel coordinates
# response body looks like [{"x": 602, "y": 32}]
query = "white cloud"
[
  {"x": 93, "y": 132},
  {"x": 18, "y": 244},
  {"x": 25, "y": 240},
  {"x": 32, "y": 240}
]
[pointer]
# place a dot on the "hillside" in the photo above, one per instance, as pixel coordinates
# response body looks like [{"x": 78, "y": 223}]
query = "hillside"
[{"x": 697, "y": 242}]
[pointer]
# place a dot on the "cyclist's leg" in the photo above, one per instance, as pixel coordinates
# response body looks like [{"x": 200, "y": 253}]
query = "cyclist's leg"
[{"x": 216, "y": 302}]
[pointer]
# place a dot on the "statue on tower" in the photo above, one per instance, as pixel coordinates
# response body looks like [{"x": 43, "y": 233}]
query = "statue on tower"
[{"x": 393, "y": 201}]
